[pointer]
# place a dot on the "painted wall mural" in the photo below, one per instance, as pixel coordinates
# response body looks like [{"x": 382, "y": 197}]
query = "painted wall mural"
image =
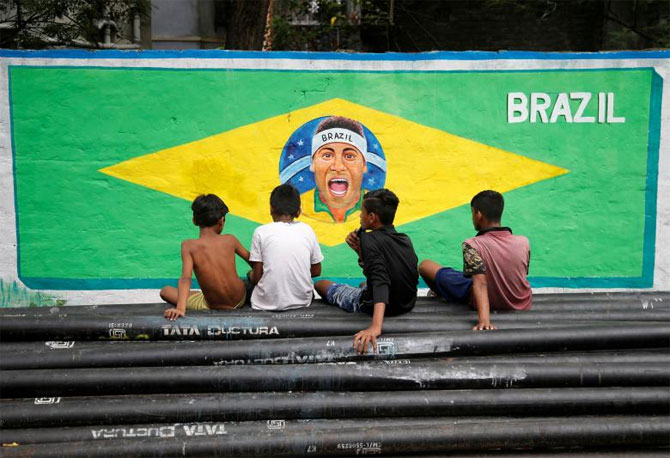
[{"x": 103, "y": 152}]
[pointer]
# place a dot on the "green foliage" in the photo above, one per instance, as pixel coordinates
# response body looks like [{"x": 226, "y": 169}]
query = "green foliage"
[
  {"x": 74, "y": 23},
  {"x": 376, "y": 13},
  {"x": 645, "y": 23},
  {"x": 305, "y": 25}
]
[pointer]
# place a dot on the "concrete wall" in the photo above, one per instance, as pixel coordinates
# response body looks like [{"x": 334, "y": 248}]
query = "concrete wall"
[{"x": 103, "y": 152}]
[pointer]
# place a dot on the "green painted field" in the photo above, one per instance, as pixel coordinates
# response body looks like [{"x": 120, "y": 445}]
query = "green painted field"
[{"x": 81, "y": 229}]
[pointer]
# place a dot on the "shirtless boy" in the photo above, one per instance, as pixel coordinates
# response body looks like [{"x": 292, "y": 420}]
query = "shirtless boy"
[{"x": 212, "y": 257}]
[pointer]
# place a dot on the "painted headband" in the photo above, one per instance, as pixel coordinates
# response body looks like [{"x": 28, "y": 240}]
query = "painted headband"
[
  {"x": 318, "y": 140},
  {"x": 339, "y": 135}
]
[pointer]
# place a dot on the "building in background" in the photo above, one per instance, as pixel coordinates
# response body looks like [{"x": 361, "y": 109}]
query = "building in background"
[{"x": 187, "y": 24}]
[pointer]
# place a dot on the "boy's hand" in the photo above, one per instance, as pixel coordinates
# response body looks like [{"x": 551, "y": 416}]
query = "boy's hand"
[
  {"x": 481, "y": 300},
  {"x": 354, "y": 242},
  {"x": 484, "y": 326},
  {"x": 366, "y": 336},
  {"x": 174, "y": 313}
]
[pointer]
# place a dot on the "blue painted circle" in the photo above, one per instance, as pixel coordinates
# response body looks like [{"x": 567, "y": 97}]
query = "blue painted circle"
[{"x": 299, "y": 145}]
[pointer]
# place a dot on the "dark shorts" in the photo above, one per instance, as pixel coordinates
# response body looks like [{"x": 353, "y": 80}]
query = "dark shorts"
[
  {"x": 453, "y": 285},
  {"x": 249, "y": 288}
]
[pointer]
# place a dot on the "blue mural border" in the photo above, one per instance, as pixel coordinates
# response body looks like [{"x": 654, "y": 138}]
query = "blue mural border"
[
  {"x": 649, "y": 238},
  {"x": 290, "y": 70}
]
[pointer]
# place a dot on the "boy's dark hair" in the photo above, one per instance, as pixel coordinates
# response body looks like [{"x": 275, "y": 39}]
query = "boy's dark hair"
[
  {"x": 382, "y": 203},
  {"x": 342, "y": 122},
  {"x": 490, "y": 204},
  {"x": 285, "y": 200},
  {"x": 208, "y": 209}
]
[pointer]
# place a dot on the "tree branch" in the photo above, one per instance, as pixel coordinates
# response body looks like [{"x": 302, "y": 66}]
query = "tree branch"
[{"x": 633, "y": 29}]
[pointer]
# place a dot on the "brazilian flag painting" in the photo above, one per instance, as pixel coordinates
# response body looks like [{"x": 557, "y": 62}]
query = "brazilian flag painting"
[{"x": 107, "y": 158}]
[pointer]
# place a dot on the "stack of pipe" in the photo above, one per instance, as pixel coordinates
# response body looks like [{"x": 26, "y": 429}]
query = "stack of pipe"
[{"x": 579, "y": 375}]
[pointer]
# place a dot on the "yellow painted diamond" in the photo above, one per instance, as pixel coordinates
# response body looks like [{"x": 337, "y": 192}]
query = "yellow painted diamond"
[{"x": 430, "y": 170}]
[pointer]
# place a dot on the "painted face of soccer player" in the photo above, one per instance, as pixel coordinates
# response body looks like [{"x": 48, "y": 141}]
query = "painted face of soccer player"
[{"x": 338, "y": 173}]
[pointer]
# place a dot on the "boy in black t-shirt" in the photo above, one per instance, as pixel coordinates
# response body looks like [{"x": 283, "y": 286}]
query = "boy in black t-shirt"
[{"x": 389, "y": 264}]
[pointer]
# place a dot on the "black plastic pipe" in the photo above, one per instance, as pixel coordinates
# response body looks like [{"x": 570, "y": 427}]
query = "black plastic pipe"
[
  {"x": 652, "y": 356},
  {"x": 190, "y": 353},
  {"x": 80, "y": 327},
  {"x": 230, "y": 429},
  {"x": 221, "y": 327},
  {"x": 64, "y": 354},
  {"x": 644, "y": 301},
  {"x": 596, "y": 431},
  {"x": 319, "y": 308},
  {"x": 373, "y": 375},
  {"x": 654, "y": 297},
  {"x": 133, "y": 409},
  {"x": 201, "y": 429}
]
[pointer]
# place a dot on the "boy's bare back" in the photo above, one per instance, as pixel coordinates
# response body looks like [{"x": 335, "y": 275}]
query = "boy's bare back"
[
  {"x": 213, "y": 261},
  {"x": 212, "y": 258}
]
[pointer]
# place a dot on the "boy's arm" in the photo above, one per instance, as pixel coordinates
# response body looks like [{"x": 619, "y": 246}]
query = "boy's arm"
[
  {"x": 255, "y": 258},
  {"x": 473, "y": 266},
  {"x": 369, "y": 335},
  {"x": 315, "y": 270},
  {"x": 241, "y": 251},
  {"x": 481, "y": 297},
  {"x": 256, "y": 272},
  {"x": 378, "y": 280},
  {"x": 184, "y": 287},
  {"x": 354, "y": 242},
  {"x": 315, "y": 257}
]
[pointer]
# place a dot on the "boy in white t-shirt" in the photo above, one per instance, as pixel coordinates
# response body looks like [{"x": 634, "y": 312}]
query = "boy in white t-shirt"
[{"x": 285, "y": 255}]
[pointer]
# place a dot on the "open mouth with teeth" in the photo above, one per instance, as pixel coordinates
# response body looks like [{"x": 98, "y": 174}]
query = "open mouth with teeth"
[{"x": 338, "y": 187}]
